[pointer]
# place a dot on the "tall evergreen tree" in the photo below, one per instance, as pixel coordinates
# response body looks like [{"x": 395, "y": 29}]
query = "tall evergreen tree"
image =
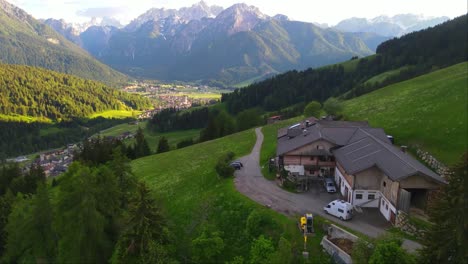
[
  {"x": 43, "y": 235},
  {"x": 81, "y": 225},
  {"x": 141, "y": 147},
  {"x": 31, "y": 237},
  {"x": 6, "y": 203},
  {"x": 163, "y": 145},
  {"x": 447, "y": 239},
  {"x": 145, "y": 236}
]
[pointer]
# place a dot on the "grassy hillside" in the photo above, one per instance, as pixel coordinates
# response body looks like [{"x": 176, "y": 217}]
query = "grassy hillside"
[
  {"x": 196, "y": 199},
  {"x": 429, "y": 111}
]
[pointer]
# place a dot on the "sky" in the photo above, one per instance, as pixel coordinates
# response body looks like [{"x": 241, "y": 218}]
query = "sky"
[{"x": 324, "y": 11}]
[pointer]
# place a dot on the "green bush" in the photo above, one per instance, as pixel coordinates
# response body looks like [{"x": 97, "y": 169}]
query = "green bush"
[{"x": 222, "y": 166}]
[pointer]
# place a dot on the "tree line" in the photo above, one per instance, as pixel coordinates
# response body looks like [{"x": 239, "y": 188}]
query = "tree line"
[{"x": 18, "y": 138}]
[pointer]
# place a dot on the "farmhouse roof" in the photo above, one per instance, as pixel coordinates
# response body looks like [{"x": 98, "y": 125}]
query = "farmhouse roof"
[
  {"x": 368, "y": 151},
  {"x": 339, "y": 133}
]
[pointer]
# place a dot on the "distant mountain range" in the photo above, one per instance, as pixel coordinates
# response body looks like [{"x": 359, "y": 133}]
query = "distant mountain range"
[
  {"x": 239, "y": 44},
  {"x": 233, "y": 45},
  {"x": 25, "y": 40},
  {"x": 389, "y": 26}
]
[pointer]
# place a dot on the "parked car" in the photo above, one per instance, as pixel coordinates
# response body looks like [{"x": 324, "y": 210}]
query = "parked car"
[
  {"x": 236, "y": 165},
  {"x": 339, "y": 208},
  {"x": 238, "y": 162},
  {"x": 329, "y": 185}
]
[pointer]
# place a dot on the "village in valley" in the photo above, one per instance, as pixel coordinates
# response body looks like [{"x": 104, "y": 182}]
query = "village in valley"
[{"x": 178, "y": 96}]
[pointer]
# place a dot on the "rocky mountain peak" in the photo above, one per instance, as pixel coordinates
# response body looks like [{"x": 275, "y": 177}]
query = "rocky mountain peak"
[
  {"x": 281, "y": 17},
  {"x": 195, "y": 12},
  {"x": 239, "y": 17}
]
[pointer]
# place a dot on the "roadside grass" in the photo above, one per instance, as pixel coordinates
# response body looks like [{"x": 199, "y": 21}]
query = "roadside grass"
[
  {"x": 195, "y": 198},
  {"x": 268, "y": 149},
  {"x": 117, "y": 114},
  {"x": 428, "y": 111}
]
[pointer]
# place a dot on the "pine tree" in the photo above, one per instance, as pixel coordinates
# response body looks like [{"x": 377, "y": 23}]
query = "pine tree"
[
  {"x": 81, "y": 225},
  {"x": 141, "y": 146},
  {"x": 163, "y": 145},
  {"x": 43, "y": 235},
  {"x": 447, "y": 239},
  {"x": 6, "y": 203},
  {"x": 145, "y": 236}
]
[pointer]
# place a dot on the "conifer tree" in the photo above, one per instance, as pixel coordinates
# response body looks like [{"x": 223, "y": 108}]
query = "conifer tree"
[
  {"x": 447, "y": 239},
  {"x": 145, "y": 237},
  {"x": 163, "y": 145}
]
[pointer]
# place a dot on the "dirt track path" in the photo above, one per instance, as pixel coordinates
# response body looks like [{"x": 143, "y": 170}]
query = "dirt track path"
[{"x": 250, "y": 182}]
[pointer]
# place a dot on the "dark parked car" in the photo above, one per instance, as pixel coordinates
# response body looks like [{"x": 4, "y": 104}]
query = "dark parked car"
[
  {"x": 238, "y": 162},
  {"x": 236, "y": 165}
]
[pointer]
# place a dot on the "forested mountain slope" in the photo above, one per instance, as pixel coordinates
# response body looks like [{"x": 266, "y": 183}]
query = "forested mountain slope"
[
  {"x": 25, "y": 40},
  {"x": 47, "y": 95}
]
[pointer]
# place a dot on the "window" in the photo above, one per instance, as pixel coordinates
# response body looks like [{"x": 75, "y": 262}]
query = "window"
[
  {"x": 371, "y": 197},
  {"x": 384, "y": 184},
  {"x": 340, "y": 210},
  {"x": 382, "y": 202},
  {"x": 386, "y": 207},
  {"x": 359, "y": 196}
]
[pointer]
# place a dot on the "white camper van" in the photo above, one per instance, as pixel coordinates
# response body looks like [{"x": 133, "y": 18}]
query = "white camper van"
[{"x": 339, "y": 208}]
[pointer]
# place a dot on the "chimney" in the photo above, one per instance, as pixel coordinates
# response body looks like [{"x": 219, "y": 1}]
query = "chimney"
[{"x": 403, "y": 148}]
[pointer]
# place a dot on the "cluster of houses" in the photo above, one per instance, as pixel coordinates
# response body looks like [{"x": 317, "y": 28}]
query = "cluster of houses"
[
  {"x": 56, "y": 162},
  {"x": 369, "y": 171}
]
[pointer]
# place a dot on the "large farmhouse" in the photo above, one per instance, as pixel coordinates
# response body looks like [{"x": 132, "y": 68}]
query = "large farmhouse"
[{"x": 368, "y": 169}]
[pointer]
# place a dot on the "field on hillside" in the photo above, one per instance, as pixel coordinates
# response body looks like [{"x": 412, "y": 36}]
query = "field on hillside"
[
  {"x": 385, "y": 75},
  {"x": 117, "y": 114},
  {"x": 172, "y": 137},
  {"x": 429, "y": 111},
  {"x": 152, "y": 138},
  {"x": 197, "y": 200}
]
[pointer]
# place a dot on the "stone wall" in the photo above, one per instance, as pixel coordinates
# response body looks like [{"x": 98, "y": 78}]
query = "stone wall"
[
  {"x": 432, "y": 162},
  {"x": 403, "y": 223}
]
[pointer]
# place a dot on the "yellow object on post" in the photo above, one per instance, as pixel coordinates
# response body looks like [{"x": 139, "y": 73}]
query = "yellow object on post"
[{"x": 303, "y": 222}]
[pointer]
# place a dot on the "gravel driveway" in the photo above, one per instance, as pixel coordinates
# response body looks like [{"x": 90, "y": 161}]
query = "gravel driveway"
[{"x": 250, "y": 182}]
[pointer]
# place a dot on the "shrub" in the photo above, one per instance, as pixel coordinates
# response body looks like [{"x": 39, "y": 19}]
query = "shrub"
[
  {"x": 222, "y": 166},
  {"x": 185, "y": 143}
]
